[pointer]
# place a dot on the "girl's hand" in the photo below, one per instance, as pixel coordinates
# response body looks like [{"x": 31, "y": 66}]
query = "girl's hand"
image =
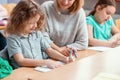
[
  {"x": 71, "y": 59},
  {"x": 52, "y": 64}
]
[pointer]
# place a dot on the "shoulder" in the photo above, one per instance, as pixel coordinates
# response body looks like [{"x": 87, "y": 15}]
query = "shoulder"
[
  {"x": 37, "y": 34},
  {"x": 47, "y": 7},
  {"x": 90, "y": 19},
  {"x": 13, "y": 39},
  {"x": 47, "y": 4},
  {"x": 81, "y": 11},
  {"x": 80, "y": 14},
  {"x": 110, "y": 21}
]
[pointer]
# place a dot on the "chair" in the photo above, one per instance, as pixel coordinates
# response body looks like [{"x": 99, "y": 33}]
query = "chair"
[{"x": 117, "y": 21}]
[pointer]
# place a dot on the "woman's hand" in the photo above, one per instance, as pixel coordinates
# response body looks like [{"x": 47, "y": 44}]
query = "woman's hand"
[{"x": 64, "y": 50}]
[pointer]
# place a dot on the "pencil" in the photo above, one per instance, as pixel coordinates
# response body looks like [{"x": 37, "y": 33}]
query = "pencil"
[
  {"x": 70, "y": 55},
  {"x": 75, "y": 54}
]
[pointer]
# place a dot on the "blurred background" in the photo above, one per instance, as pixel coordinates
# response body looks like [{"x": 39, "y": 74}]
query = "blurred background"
[{"x": 88, "y": 5}]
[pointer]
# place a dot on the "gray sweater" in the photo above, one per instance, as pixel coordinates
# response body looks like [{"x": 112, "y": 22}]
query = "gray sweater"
[{"x": 64, "y": 29}]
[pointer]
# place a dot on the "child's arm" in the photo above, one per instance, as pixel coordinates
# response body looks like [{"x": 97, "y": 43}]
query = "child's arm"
[
  {"x": 26, "y": 62},
  {"x": 96, "y": 42}
]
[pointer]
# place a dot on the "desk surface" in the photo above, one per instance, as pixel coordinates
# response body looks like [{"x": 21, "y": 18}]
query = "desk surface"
[{"x": 81, "y": 69}]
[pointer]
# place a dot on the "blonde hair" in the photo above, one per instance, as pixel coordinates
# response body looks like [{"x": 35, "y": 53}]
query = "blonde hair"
[
  {"x": 21, "y": 14},
  {"x": 74, "y": 8}
]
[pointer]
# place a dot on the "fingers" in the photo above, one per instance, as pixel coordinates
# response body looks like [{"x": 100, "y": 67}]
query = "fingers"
[
  {"x": 70, "y": 59},
  {"x": 65, "y": 51},
  {"x": 53, "y": 64}
]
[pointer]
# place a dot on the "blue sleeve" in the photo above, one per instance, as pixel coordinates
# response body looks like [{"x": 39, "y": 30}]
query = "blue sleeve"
[
  {"x": 13, "y": 46},
  {"x": 43, "y": 42}
]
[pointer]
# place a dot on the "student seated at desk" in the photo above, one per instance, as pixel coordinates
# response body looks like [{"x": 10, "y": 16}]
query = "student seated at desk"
[
  {"x": 101, "y": 28},
  {"x": 25, "y": 41}
]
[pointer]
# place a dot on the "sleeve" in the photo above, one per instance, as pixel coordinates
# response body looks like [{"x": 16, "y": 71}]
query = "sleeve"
[
  {"x": 46, "y": 36},
  {"x": 45, "y": 31},
  {"x": 89, "y": 21},
  {"x": 43, "y": 42},
  {"x": 111, "y": 21},
  {"x": 13, "y": 46},
  {"x": 81, "y": 41}
]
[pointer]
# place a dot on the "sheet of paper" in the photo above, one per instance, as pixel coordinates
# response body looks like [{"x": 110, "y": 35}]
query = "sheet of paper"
[
  {"x": 45, "y": 68},
  {"x": 42, "y": 69},
  {"x": 99, "y": 48},
  {"x": 107, "y": 76}
]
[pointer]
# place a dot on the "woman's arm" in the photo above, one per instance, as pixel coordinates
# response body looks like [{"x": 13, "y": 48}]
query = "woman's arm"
[
  {"x": 81, "y": 37},
  {"x": 56, "y": 55},
  {"x": 64, "y": 50}
]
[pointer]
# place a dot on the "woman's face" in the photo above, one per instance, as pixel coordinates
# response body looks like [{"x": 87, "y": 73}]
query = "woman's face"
[
  {"x": 65, "y": 4},
  {"x": 32, "y": 24},
  {"x": 105, "y": 13}
]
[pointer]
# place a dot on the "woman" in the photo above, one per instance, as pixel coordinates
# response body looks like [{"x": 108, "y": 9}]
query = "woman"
[
  {"x": 101, "y": 26},
  {"x": 66, "y": 25}
]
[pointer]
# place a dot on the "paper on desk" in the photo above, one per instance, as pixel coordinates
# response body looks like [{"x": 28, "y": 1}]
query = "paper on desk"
[
  {"x": 106, "y": 76},
  {"x": 45, "y": 68},
  {"x": 99, "y": 48},
  {"x": 42, "y": 69}
]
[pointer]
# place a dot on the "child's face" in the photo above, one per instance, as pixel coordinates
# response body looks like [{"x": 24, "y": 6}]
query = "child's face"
[
  {"x": 32, "y": 24},
  {"x": 105, "y": 13},
  {"x": 65, "y": 4}
]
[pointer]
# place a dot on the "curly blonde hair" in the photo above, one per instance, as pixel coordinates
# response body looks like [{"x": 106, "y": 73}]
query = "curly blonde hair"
[{"x": 21, "y": 14}]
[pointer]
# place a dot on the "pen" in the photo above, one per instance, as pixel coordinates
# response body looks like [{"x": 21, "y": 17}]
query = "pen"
[
  {"x": 70, "y": 55},
  {"x": 75, "y": 54}
]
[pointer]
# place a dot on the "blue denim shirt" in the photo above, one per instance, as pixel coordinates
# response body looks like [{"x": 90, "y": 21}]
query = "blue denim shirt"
[{"x": 31, "y": 46}]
